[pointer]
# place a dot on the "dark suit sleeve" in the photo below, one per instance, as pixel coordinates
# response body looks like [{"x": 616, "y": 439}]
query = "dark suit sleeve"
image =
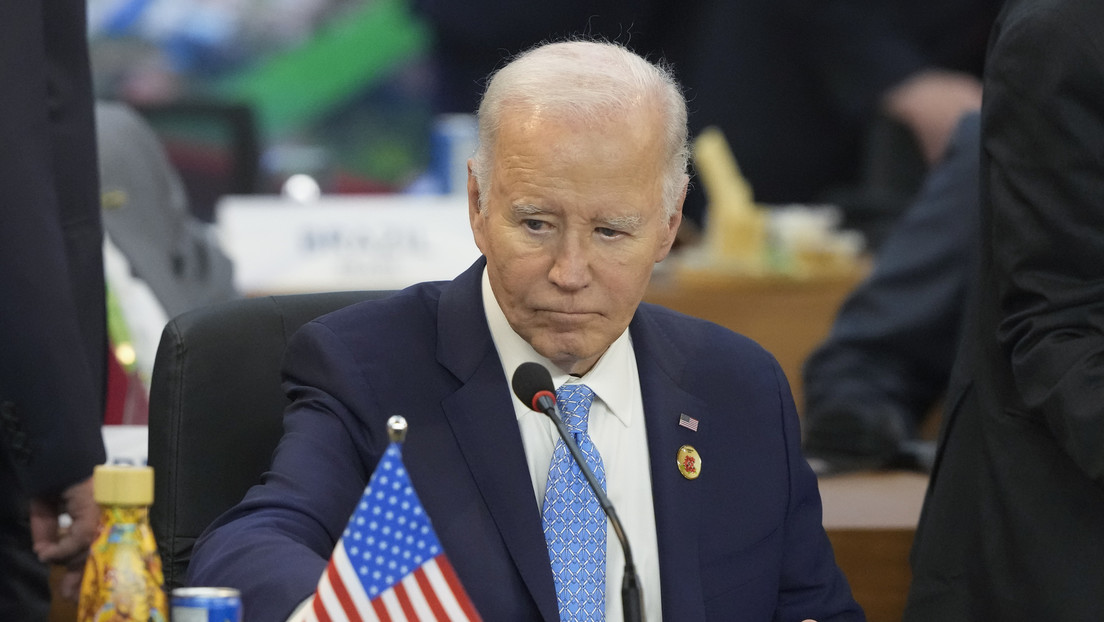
[
  {"x": 893, "y": 342},
  {"x": 275, "y": 544},
  {"x": 52, "y": 327},
  {"x": 1043, "y": 128},
  {"x": 811, "y": 581}
]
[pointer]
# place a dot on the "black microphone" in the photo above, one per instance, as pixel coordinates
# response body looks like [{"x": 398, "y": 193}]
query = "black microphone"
[{"x": 532, "y": 384}]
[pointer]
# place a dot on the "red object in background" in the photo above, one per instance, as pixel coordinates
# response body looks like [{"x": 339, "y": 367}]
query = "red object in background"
[
  {"x": 127, "y": 402},
  {"x": 345, "y": 182}
]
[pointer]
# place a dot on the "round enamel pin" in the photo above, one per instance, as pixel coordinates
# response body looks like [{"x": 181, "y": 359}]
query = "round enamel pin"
[{"x": 689, "y": 462}]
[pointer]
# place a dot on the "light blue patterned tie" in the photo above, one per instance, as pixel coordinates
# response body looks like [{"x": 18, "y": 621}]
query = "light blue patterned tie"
[{"x": 574, "y": 524}]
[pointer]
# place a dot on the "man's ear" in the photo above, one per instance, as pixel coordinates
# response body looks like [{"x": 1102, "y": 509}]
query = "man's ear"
[
  {"x": 671, "y": 227},
  {"x": 475, "y": 217}
]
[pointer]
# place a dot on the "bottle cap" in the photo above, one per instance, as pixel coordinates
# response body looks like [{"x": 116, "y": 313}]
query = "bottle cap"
[{"x": 122, "y": 485}]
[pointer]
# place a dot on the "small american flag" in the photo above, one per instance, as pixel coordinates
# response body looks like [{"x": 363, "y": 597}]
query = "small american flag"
[
  {"x": 388, "y": 564},
  {"x": 687, "y": 421}
]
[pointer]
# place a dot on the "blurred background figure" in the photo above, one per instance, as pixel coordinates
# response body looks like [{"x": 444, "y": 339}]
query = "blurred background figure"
[
  {"x": 160, "y": 259},
  {"x": 245, "y": 93},
  {"x": 829, "y": 101},
  {"x": 870, "y": 387},
  {"x": 52, "y": 311},
  {"x": 837, "y": 101},
  {"x": 844, "y": 101}
]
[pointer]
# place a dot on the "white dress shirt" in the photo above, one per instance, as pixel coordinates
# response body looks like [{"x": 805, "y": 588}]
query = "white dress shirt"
[{"x": 616, "y": 426}]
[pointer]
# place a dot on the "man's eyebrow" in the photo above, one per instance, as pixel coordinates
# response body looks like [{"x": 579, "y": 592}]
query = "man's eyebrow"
[
  {"x": 528, "y": 209},
  {"x": 628, "y": 222}
]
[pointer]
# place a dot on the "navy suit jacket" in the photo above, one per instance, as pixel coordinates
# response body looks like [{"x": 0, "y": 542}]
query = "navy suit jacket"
[{"x": 744, "y": 541}]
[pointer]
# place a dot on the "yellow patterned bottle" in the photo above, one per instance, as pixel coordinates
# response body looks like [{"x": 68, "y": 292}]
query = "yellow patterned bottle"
[{"x": 123, "y": 578}]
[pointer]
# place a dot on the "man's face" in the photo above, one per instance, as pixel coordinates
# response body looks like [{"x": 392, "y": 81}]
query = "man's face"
[{"x": 574, "y": 223}]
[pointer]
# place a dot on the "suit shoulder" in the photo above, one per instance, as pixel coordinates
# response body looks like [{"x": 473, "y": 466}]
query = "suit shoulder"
[
  {"x": 398, "y": 311},
  {"x": 701, "y": 338}
]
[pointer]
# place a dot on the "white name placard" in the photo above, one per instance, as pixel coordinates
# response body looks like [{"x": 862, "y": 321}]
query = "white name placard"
[
  {"x": 344, "y": 242},
  {"x": 126, "y": 444}
]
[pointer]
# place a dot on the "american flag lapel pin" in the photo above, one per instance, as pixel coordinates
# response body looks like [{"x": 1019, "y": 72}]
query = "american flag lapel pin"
[{"x": 688, "y": 422}]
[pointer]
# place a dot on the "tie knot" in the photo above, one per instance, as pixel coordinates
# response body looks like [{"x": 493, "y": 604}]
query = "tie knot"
[{"x": 574, "y": 401}]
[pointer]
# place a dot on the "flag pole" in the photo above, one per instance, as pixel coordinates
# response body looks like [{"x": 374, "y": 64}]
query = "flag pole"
[{"x": 396, "y": 428}]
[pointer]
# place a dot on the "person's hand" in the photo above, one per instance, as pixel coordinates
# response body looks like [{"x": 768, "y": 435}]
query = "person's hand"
[
  {"x": 930, "y": 104},
  {"x": 70, "y": 548}
]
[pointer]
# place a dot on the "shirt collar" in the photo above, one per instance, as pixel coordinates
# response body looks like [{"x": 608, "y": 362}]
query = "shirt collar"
[{"x": 609, "y": 378}]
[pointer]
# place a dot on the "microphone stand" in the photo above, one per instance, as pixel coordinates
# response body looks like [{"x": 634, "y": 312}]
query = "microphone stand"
[{"x": 630, "y": 583}]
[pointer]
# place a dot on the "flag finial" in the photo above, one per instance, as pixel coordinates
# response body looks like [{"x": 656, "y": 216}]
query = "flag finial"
[{"x": 396, "y": 428}]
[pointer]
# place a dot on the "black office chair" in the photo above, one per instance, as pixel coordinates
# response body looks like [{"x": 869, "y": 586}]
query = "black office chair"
[
  {"x": 216, "y": 410},
  {"x": 213, "y": 144}
]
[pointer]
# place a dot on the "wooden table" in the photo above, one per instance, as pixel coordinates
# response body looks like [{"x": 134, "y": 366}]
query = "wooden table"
[{"x": 871, "y": 519}]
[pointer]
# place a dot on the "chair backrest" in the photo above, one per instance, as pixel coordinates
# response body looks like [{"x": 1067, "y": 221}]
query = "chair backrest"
[
  {"x": 216, "y": 409},
  {"x": 214, "y": 145}
]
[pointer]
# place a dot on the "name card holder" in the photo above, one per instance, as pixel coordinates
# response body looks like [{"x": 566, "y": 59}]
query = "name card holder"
[{"x": 345, "y": 242}]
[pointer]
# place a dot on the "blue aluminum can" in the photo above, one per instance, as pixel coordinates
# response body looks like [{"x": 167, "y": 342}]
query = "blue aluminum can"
[
  {"x": 453, "y": 140},
  {"x": 206, "y": 604}
]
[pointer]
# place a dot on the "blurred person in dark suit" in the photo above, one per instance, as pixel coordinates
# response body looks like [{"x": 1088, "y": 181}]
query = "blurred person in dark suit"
[
  {"x": 1013, "y": 523},
  {"x": 795, "y": 85},
  {"x": 52, "y": 327},
  {"x": 160, "y": 260},
  {"x": 870, "y": 386}
]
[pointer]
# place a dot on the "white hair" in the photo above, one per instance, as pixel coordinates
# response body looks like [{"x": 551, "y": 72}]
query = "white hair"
[{"x": 587, "y": 80}]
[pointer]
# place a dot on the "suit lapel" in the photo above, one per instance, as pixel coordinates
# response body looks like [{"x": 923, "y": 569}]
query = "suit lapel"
[
  {"x": 677, "y": 500},
  {"x": 481, "y": 415}
]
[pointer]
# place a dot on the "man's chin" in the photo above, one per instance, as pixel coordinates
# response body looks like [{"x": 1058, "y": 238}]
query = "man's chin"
[{"x": 569, "y": 356}]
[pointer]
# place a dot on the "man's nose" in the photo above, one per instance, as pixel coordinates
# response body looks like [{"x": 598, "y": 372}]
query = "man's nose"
[{"x": 571, "y": 265}]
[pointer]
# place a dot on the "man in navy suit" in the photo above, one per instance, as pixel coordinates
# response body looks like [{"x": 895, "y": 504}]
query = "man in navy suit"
[{"x": 574, "y": 194}]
